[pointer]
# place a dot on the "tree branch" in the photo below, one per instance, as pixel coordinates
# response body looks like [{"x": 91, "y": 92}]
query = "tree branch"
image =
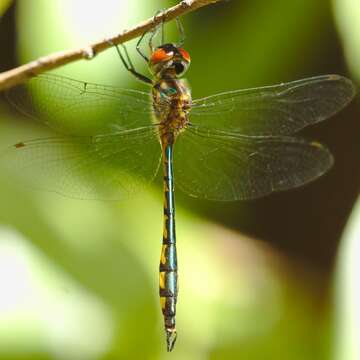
[{"x": 24, "y": 72}]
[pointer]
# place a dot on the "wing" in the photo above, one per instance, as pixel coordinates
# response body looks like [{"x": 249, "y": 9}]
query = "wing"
[
  {"x": 216, "y": 165},
  {"x": 79, "y": 108},
  {"x": 105, "y": 167},
  {"x": 274, "y": 110}
]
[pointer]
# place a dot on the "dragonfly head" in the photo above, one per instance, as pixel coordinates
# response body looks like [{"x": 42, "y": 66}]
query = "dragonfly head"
[{"x": 169, "y": 60}]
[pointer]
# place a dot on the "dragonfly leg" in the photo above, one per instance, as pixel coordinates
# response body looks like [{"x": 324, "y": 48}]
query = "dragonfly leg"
[
  {"x": 155, "y": 31},
  {"x": 181, "y": 32},
  {"x": 153, "y": 34},
  {"x": 138, "y": 48},
  {"x": 129, "y": 65}
]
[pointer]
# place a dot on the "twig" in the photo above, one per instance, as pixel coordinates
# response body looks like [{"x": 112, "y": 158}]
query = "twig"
[{"x": 24, "y": 72}]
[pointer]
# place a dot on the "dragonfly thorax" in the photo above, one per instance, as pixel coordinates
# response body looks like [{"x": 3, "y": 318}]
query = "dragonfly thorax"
[
  {"x": 169, "y": 61},
  {"x": 171, "y": 104}
]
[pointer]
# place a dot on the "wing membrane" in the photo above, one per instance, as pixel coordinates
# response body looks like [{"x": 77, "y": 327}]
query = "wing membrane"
[
  {"x": 108, "y": 167},
  {"x": 78, "y": 108},
  {"x": 274, "y": 110},
  {"x": 220, "y": 166}
]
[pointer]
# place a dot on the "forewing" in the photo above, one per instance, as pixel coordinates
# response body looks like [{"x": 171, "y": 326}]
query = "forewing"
[
  {"x": 274, "y": 110},
  {"x": 218, "y": 166},
  {"x": 108, "y": 167},
  {"x": 78, "y": 108}
]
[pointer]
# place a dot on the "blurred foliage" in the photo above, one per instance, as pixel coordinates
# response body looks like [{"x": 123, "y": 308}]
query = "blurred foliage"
[
  {"x": 348, "y": 292},
  {"x": 347, "y": 14},
  {"x": 4, "y": 4},
  {"x": 79, "y": 278}
]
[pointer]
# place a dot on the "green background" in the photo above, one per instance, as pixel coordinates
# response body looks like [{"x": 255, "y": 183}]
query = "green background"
[{"x": 267, "y": 279}]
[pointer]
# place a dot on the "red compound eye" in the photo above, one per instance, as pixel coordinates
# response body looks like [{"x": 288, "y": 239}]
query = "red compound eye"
[
  {"x": 160, "y": 55},
  {"x": 184, "y": 54}
]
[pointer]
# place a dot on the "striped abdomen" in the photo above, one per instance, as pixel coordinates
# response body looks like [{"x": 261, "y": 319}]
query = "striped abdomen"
[{"x": 168, "y": 261}]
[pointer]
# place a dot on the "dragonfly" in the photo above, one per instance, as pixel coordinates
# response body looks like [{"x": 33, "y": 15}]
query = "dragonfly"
[{"x": 234, "y": 145}]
